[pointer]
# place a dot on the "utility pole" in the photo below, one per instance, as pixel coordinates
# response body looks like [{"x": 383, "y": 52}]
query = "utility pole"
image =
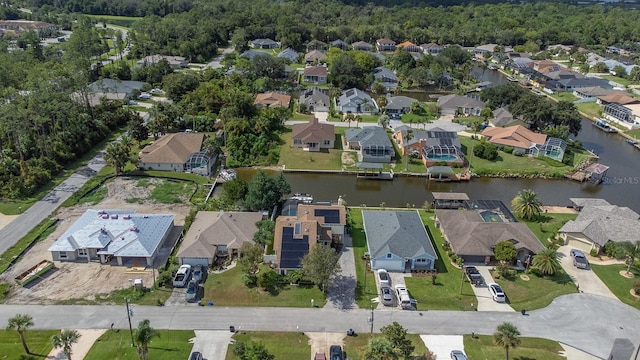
[
  {"x": 462, "y": 279},
  {"x": 371, "y": 320},
  {"x": 126, "y": 301}
]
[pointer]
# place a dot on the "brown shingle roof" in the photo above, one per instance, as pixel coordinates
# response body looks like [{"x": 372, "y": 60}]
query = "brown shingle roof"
[
  {"x": 172, "y": 148},
  {"x": 315, "y": 55},
  {"x": 515, "y": 136},
  {"x": 313, "y": 131},
  {"x": 272, "y": 99},
  {"x": 315, "y": 71},
  {"x": 618, "y": 98}
]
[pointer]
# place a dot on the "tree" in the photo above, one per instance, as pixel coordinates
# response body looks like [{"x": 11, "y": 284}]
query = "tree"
[
  {"x": 263, "y": 192},
  {"x": 264, "y": 235},
  {"x": 137, "y": 129},
  {"x": 379, "y": 348},
  {"x": 20, "y": 323},
  {"x": 234, "y": 190},
  {"x": 65, "y": 340},
  {"x": 176, "y": 85},
  {"x": 250, "y": 257},
  {"x": 383, "y": 120},
  {"x": 506, "y": 335},
  {"x": 118, "y": 153},
  {"x": 144, "y": 334},
  {"x": 632, "y": 252},
  {"x": 547, "y": 261},
  {"x": 558, "y": 131},
  {"x": 320, "y": 264},
  {"x": 505, "y": 251},
  {"x": 407, "y": 137},
  {"x": 619, "y": 71},
  {"x": 397, "y": 336},
  {"x": 600, "y": 67},
  {"x": 252, "y": 351},
  {"x": 527, "y": 205},
  {"x": 486, "y": 113}
]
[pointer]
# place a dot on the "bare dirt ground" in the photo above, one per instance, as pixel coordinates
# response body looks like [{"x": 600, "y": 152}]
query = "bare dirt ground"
[
  {"x": 82, "y": 280},
  {"x": 320, "y": 342},
  {"x": 559, "y": 210}
]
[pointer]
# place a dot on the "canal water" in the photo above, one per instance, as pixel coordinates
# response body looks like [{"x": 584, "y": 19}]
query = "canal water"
[{"x": 621, "y": 187}]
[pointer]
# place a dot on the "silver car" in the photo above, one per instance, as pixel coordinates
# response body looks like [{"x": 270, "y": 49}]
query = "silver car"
[
  {"x": 496, "y": 293},
  {"x": 386, "y": 296},
  {"x": 458, "y": 355}
]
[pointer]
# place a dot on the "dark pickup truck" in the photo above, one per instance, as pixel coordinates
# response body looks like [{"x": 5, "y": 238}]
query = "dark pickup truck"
[{"x": 474, "y": 275}]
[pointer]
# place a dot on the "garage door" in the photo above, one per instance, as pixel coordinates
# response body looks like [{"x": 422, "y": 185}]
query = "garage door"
[
  {"x": 389, "y": 265},
  {"x": 196, "y": 261},
  {"x": 581, "y": 245}
]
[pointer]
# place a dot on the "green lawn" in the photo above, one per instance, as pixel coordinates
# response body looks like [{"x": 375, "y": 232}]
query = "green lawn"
[
  {"x": 548, "y": 224},
  {"x": 38, "y": 341},
  {"x": 172, "y": 191},
  {"x": 283, "y": 345},
  {"x": 366, "y": 286},
  {"x": 511, "y": 164},
  {"x": 618, "y": 284},
  {"x": 125, "y": 22},
  {"x": 619, "y": 80},
  {"x": 633, "y": 133},
  {"x": 227, "y": 289},
  {"x": 301, "y": 117},
  {"x": 296, "y": 158},
  {"x": 537, "y": 292},
  {"x": 356, "y": 346},
  {"x": 564, "y": 96},
  {"x": 116, "y": 345},
  {"x": 482, "y": 347},
  {"x": 592, "y": 109}
]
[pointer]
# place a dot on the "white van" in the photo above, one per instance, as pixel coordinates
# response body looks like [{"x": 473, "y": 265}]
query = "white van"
[{"x": 403, "y": 296}]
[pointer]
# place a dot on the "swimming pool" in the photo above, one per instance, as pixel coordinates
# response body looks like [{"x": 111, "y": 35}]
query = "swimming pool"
[
  {"x": 442, "y": 157},
  {"x": 490, "y": 216}
]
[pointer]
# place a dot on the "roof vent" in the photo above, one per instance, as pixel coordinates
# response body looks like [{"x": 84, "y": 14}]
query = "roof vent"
[
  {"x": 114, "y": 216},
  {"x": 134, "y": 229},
  {"x": 127, "y": 217},
  {"x": 105, "y": 216}
]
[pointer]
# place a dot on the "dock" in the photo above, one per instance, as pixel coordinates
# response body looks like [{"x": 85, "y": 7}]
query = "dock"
[
  {"x": 446, "y": 174},
  {"x": 594, "y": 173},
  {"x": 602, "y": 125},
  {"x": 372, "y": 171}
]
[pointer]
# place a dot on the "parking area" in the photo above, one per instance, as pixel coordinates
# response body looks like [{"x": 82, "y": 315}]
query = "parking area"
[
  {"x": 441, "y": 345},
  {"x": 212, "y": 344},
  {"x": 587, "y": 280},
  {"x": 484, "y": 299},
  {"x": 395, "y": 278}
]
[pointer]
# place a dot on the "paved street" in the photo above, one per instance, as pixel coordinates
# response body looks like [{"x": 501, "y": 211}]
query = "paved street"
[{"x": 587, "y": 322}]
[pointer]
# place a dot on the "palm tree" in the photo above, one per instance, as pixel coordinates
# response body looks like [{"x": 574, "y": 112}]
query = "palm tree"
[
  {"x": 547, "y": 261},
  {"x": 632, "y": 251},
  {"x": 20, "y": 323},
  {"x": 65, "y": 340},
  {"x": 526, "y": 204},
  {"x": 506, "y": 335},
  {"x": 144, "y": 334},
  {"x": 407, "y": 137}
]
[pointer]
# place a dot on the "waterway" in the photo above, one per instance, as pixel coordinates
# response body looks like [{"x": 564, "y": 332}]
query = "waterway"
[{"x": 621, "y": 187}]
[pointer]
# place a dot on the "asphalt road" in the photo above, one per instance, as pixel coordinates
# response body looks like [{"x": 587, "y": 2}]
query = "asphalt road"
[
  {"x": 584, "y": 321},
  {"x": 20, "y": 226}
]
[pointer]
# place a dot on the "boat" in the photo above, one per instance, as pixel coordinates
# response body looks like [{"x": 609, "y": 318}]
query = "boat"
[
  {"x": 492, "y": 67},
  {"x": 512, "y": 78},
  {"x": 631, "y": 142},
  {"x": 302, "y": 197},
  {"x": 602, "y": 125},
  {"x": 34, "y": 272},
  {"x": 228, "y": 174}
]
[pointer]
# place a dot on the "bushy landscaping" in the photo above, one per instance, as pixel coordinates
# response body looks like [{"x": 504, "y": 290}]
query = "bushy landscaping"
[
  {"x": 39, "y": 342},
  {"x": 356, "y": 346},
  {"x": 619, "y": 285},
  {"x": 116, "y": 345},
  {"x": 482, "y": 347},
  {"x": 283, "y": 345}
]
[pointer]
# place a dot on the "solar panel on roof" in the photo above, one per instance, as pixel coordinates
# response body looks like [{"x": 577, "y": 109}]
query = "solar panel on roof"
[
  {"x": 331, "y": 216},
  {"x": 292, "y": 249}
]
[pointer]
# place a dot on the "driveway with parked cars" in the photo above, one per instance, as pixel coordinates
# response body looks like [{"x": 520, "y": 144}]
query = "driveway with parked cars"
[
  {"x": 212, "y": 344},
  {"x": 587, "y": 281},
  {"x": 485, "y": 300}
]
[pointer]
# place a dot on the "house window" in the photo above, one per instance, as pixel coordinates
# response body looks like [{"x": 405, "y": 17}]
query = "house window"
[
  {"x": 62, "y": 255},
  {"x": 297, "y": 229},
  {"x": 389, "y": 256},
  {"x": 297, "y": 142},
  {"x": 421, "y": 260},
  {"x": 327, "y": 142},
  {"x": 83, "y": 252}
]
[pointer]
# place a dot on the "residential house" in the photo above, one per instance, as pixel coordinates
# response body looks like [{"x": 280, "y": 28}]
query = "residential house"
[
  {"x": 386, "y": 77},
  {"x": 570, "y": 84},
  {"x": 432, "y": 49},
  {"x": 313, "y": 225},
  {"x": 398, "y": 105},
  {"x": 502, "y": 117},
  {"x": 617, "y": 97},
  {"x": 458, "y": 104},
  {"x": 272, "y": 99},
  {"x": 591, "y": 92},
  {"x": 216, "y": 236},
  {"x": 520, "y": 63},
  {"x": 408, "y": 46},
  {"x": 378, "y": 56},
  {"x": 398, "y": 241},
  {"x": 372, "y": 144},
  {"x": 625, "y": 115},
  {"x": 526, "y": 141},
  {"x": 175, "y": 62},
  {"x": 264, "y": 44},
  {"x": 611, "y": 64},
  {"x": 313, "y": 136},
  {"x": 289, "y": 54},
  {"x": 110, "y": 89},
  {"x": 43, "y": 29},
  {"x": 385, "y": 44},
  {"x": 598, "y": 223},
  {"x": 339, "y": 44},
  {"x": 482, "y": 50},
  {"x": 361, "y": 45},
  {"x": 315, "y": 74},
  {"x": 434, "y": 145},
  {"x": 315, "y": 57},
  {"x": 474, "y": 232},
  {"x": 251, "y": 54},
  {"x": 122, "y": 235},
  {"x": 356, "y": 101},
  {"x": 317, "y": 45},
  {"x": 315, "y": 99},
  {"x": 178, "y": 152},
  {"x": 545, "y": 66}
]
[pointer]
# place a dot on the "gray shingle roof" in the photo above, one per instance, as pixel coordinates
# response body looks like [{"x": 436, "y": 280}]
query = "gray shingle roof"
[
  {"x": 399, "y": 102},
  {"x": 454, "y": 101},
  {"x": 398, "y": 232},
  {"x": 368, "y": 136},
  {"x": 289, "y": 53}
]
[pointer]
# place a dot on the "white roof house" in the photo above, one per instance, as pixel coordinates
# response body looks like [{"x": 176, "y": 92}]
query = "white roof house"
[{"x": 108, "y": 234}]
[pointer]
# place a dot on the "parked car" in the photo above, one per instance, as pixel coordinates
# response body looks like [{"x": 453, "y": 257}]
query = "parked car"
[
  {"x": 458, "y": 355},
  {"x": 386, "y": 296},
  {"x": 156, "y": 91},
  {"x": 579, "y": 260},
  {"x": 182, "y": 276},
  {"x": 198, "y": 274},
  {"x": 335, "y": 353},
  {"x": 496, "y": 293},
  {"x": 403, "y": 297},
  {"x": 196, "y": 355},
  {"x": 474, "y": 275},
  {"x": 192, "y": 291},
  {"x": 145, "y": 96},
  {"x": 384, "y": 278}
]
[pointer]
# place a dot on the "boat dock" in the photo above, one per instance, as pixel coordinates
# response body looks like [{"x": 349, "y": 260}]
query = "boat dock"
[
  {"x": 594, "y": 173},
  {"x": 372, "y": 171},
  {"x": 446, "y": 174},
  {"x": 602, "y": 125}
]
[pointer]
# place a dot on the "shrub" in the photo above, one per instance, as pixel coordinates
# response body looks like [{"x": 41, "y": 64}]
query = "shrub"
[
  {"x": 249, "y": 280},
  {"x": 507, "y": 149},
  {"x": 518, "y": 153},
  {"x": 636, "y": 287},
  {"x": 535, "y": 272},
  {"x": 593, "y": 252}
]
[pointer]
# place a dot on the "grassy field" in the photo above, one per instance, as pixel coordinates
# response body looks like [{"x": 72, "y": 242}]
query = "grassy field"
[
  {"x": 590, "y": 108},
  {"x": 482, "y": 347},
  {"x": 618, "y": 284},
  {"x": 633, "y": 133},
  {"x": 356, "y": 346},
  {"x": 548, "y": 224},
  {"x": 301, "y": 117},
  {"x": 296, "y": 158},
  {"x": 121, "y": 21},
  {"x": 116, "y": 345},
  {"x": 536, "y": 292},
  {"x": 511, "y": 164},
  {"x": 38, "y": 341},
  {"x": 227, "y": 289},
  {"x": 619, "y": 80},
  {"x": 283, "y": 345},
  {"x": 366, "y": 282},
  {"x": 564, "y": 96}
]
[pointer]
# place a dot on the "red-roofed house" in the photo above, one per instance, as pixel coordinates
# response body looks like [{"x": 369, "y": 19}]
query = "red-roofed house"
[
  {"x": 313, "y": 136},
  {"x": 316, "y": 74},
  {"x": 526, "y": 141},
  {"x": 272, "y": 99},
  {"x": 410, "y": 47}
]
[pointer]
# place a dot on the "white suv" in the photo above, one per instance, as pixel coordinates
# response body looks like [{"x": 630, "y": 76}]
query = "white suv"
[
  {"x": 384, "y": 278},
  {"x": 182, "y": 276}
]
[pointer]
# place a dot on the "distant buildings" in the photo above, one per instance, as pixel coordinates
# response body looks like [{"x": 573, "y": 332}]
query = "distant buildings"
[{"x": 175, "y": 62}]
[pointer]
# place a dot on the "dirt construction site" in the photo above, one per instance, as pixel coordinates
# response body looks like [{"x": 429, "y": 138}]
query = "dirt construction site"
[{"x": 83, "y": 281}]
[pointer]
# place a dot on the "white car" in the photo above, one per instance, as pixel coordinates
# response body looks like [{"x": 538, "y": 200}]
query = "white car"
[
  {"x": 496, "y": 292},
  {"x": 157, "y": 91},
  {"x": 145, "y": 96},
  {"x": 384, "y": 278},
  {"x": 386, "y": 296},
  {"x": 182, "y": 276}
]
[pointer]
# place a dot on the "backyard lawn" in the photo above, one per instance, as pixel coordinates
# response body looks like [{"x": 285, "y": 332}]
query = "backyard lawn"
[
  {"x": 482, "y": 347},
  {"x": 356, "y": 346},
  {"x": 283, "y": 345},
  {"x": 548, "y": 224},
  {"x": 39, "y": 342},
  {"x": 590, "y": 108},
  {"x": 619, "y": 80},
  {"x": 296, "y": 158},
  {"x": 116, "y": 345},
  {"x": 535, "y": 292},
  {"x": 228, "y": 289},
  {"x": 619, "y": 285},
  {"x": 564, "y": 96}
]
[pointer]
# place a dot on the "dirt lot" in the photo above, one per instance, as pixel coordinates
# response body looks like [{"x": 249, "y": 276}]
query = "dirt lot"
[{"x": 83, "y": 280}]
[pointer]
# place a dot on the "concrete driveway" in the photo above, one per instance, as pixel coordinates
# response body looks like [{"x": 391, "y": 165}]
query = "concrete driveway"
[
  {"x": 485, "y": 301},
  {"x": 441, "y": 345},
  {"x": 586, "y": 279},
  {"x": 212, "y": 344},
  {"x": 342, "y": 288}
]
